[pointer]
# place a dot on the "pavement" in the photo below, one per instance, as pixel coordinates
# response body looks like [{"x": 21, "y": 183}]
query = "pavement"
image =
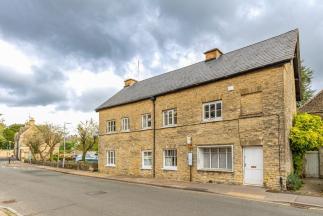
[
  {"x": 240, "y": 191},
  {"x": 34, "y": 191},
  {"x": 312, "y": 187}
]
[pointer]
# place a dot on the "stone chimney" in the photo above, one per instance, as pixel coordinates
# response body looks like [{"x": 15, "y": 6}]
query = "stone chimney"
[
  {"x": 129, "y": 82},
  {"x": 31, "y": 122},
  {"x": 212, "y": 54}
]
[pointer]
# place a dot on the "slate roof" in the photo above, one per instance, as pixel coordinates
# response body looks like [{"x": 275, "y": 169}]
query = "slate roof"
[
  {"x": 268, "y": 52},
  {"x": 314, "y": 105}
]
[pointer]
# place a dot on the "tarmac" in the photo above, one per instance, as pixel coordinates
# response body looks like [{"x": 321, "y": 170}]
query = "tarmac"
[{"x": 240, "y": 191}]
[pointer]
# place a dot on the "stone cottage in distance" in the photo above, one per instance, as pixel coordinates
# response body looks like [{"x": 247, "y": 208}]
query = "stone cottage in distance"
[
  {"x": 21, "y": 149},
  {"x": 314, "y": 105},
  {"x": 224, "y": 119}
]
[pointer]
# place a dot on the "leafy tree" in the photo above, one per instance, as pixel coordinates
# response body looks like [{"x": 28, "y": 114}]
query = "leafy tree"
[
  {"x": 3, "y": 141},
  {"x": 69, "y": 146},
  {"x": 306, "y": 79},
  {"x": 306, "y": 135},
  {"x": 52, "y": 136},
  {"x": 10, "y": 131},
  {"x": 87, "y": 134},
  {"x": 35, "y": 143},
  {"x": 2, "y": 127}
]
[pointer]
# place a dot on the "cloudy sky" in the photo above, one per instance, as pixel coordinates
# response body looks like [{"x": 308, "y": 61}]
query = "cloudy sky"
[{"x": 60, "y": 59}]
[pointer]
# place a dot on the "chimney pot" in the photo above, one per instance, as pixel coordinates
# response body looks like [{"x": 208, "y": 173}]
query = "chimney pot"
[
  {"x": 129, "y": 82},
  {"x": 212, "y": 54}
]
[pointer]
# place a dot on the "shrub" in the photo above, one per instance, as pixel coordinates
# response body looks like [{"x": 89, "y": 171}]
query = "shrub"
[
  {"x": 306, "y": 135},
  {"x": 293, "y": 182}
]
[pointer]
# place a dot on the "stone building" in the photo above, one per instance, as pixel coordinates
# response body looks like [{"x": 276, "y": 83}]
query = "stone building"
[
  {"x": 21, "y": 149},
  {"x": 224, "y": 119},
  {"x": 314, "y": 106}
]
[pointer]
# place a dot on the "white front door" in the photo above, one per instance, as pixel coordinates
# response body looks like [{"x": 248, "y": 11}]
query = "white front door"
[{"x": 253, "y": 165}]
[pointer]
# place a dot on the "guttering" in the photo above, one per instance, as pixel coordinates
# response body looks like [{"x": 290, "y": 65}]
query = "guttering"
[{"x": 153, "y": 99}]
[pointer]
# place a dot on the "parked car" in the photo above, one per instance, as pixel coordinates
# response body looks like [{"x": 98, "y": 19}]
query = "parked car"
[{"x": 88, "y": 157}]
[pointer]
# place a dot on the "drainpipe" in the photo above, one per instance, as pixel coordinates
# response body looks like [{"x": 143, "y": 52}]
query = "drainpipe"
[
  {"x": 279, "y": 154},
  {"x": 153, "y": 99}
]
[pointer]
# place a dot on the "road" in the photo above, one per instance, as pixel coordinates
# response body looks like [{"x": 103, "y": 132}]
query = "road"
[{"x": 33, "y": 191}]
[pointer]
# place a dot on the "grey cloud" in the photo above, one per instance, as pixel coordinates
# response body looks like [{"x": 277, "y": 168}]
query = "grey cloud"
[
  {"x": 87, "y": 30},
  {"x": 88, "y": 100},
  {"x": 100, "y": 34},
  {"x": 43, "y": 87}
]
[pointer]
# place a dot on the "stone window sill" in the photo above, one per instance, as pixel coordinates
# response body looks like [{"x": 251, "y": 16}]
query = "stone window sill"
[
  {"x": 169, "y": 168},
  {"x": 215, "y": 170},
  {"x": 212, "y": 120},
  {"x": 169, "y": 126},
  {"x": 148, "y": 128},
  {"x": 146, "y": 168}
]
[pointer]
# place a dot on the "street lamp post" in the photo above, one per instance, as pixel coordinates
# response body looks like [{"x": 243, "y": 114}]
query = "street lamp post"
[{"x": 65, "y": 123}]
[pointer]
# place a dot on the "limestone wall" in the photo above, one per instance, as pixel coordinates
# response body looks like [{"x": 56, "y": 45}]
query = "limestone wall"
[
  {"x": 254, "y": 113},
  {"x": 5, "y": 153}
]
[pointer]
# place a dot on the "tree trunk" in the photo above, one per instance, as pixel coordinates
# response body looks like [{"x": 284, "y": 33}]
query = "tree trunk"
[
  {"x": 83, "y": 155},
  {"x": 51, "y": 156}
]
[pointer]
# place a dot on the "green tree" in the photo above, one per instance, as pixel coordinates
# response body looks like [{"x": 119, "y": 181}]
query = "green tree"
[
  {"x": 9, "y": 133},
  {"x": 52, "y": 136},
  {"x": 306, "y": 135},
  {"x": 3, "y": 141},
  {"x": 35, "y": 142},
  {"x": 88, "y": 136},
  {"x": 306, "y": 80},
  {"x": 69, "y": 146}
]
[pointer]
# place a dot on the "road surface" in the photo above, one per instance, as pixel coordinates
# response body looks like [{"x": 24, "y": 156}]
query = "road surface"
[{"x": 33, "y": 191}]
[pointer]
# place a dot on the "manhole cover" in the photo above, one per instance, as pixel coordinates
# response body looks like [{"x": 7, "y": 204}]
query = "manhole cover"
[
  {"x": 94, "y": 193},
  {"x": 299, "y": 205},
  {"x": 9, "y": 201}
]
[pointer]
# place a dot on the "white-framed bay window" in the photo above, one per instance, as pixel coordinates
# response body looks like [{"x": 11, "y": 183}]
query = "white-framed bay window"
[
  {"x": 170, "y": 159},
  {"x": 169, "y": 118},
  {"x": 111, "y": 126},
  {"x": 146, "y": 159},
  {"x": 111, "y": 158},
  {"x": 146, "y": 121},
  {"x": 215, "y": 158},
  {"x": 125, "y": 125},
  {"x": 212, "y": 111}
]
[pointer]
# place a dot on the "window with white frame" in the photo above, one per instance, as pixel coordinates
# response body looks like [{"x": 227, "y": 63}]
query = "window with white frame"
[
  {"x": 147, "y": 159},
  {"x": 215, "y": 158},
  {"x": 169, "y": 117},
  {"x": 146, "y": 121},
  {"x": 111, "y": 158},
  {"x": 125, "y": 124},
  {"x": 170, "y": 159},
  {"x": 212, "y": 111},
  {"x": 111, "y": 126}
]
